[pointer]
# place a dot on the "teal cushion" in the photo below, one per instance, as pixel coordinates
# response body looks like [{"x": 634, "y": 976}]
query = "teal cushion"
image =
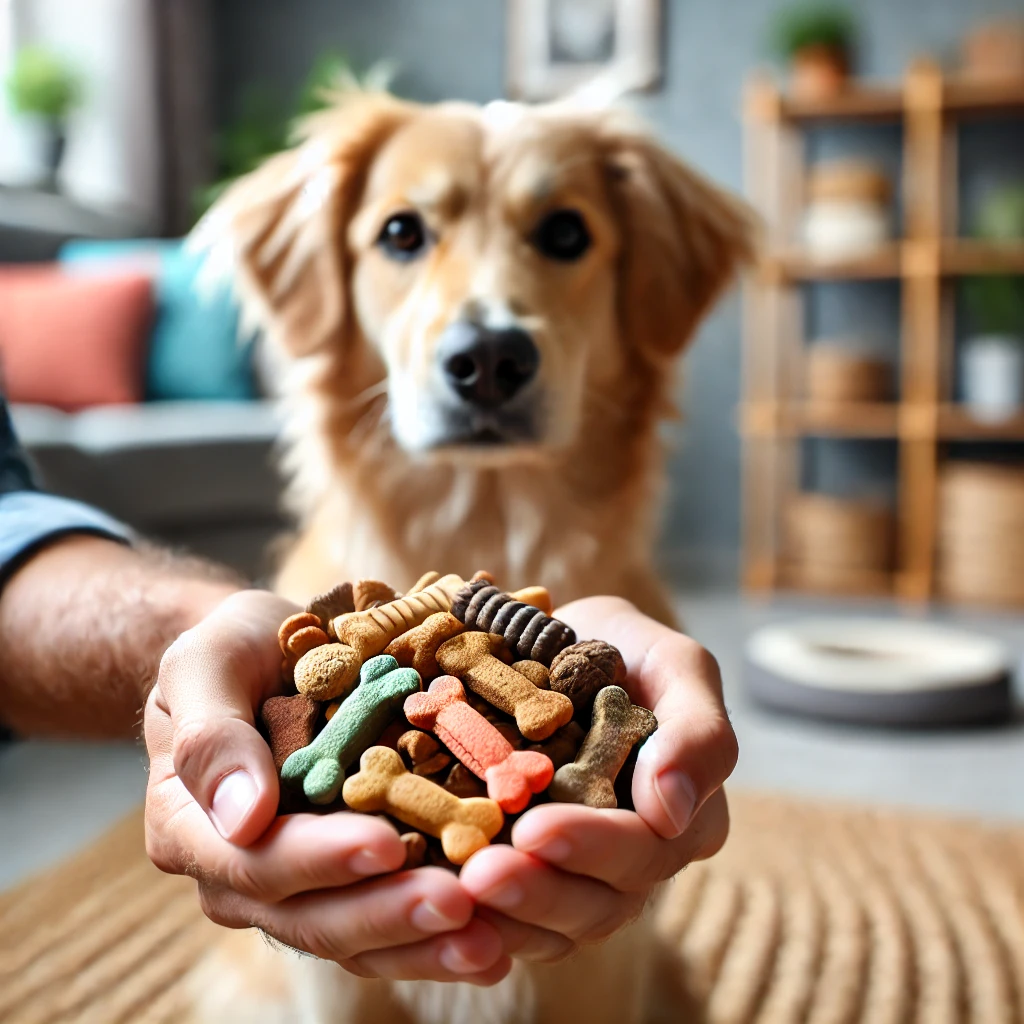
[{"x": 195, "y": 351}]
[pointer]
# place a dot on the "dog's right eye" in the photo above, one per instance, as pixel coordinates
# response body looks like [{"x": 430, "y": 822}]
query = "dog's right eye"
[{"x": 403, "y": 236}]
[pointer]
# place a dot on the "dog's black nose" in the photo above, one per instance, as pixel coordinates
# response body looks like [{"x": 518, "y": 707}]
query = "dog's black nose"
[{"x": 487, "y": 367}]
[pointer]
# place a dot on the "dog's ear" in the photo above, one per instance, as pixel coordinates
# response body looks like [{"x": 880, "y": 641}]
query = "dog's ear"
[
  {"x": 684, "y": 240},
  {"x": 279, "y": 232}
]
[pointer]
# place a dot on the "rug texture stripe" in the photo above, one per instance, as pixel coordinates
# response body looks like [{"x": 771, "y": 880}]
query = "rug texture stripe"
[{"x": 810, "y": 915}]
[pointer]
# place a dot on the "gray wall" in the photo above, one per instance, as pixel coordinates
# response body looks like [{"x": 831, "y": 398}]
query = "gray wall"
[{"x": 455, "y": 49}]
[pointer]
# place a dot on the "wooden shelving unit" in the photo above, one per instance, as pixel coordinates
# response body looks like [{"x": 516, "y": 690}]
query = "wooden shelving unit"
[{"x": 775, "y": 416}]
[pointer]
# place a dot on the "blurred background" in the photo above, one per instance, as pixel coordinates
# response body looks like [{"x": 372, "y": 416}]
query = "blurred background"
[{"x": 853, "y": 433}]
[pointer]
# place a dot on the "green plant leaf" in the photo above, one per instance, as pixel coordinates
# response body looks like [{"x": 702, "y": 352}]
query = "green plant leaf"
[
  {"x": 813, "y": 24},
  {"x": 42, "y": 83},
  {"x": 995, "y": 304}
]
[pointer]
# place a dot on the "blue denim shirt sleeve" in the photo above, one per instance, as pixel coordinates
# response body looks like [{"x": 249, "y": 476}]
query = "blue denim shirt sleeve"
[{"x": 28, "y": 517}]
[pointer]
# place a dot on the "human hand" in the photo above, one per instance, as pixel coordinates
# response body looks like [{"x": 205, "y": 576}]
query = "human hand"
[
  {"x": 574, "y": 874},
  {"x": 311, "y": 881}
]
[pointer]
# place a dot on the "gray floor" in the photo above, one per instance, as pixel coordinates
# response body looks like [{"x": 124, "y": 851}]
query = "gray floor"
[{"x": 54, "y": 798}]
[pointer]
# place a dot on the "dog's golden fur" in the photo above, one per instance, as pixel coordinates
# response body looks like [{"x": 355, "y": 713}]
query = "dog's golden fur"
[{"x": 375, "y": 493}]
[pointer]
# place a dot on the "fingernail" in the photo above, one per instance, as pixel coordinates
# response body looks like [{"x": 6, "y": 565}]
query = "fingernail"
[
  {"x": 555, "y": 850},
  {"x": 427, "y": 918},
  {"x": 452, "y": 959},
  {"x": 505, "y": 897},
  {"x": 366, "y": 862},
  {"x": 678, "y": 796},
  {"x": 232, "y": 801}
]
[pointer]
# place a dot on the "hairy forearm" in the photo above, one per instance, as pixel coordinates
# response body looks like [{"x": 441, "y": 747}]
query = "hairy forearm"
[{"x": 83, "y": 626}]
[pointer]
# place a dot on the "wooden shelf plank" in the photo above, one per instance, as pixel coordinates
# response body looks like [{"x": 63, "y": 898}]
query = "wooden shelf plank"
[
  {"x": 796, "y": 265},
  {"x": 964, "y": 256},
  {"x": 957, "y": 424},
  {"x": 860, "y": 102},
  {"x": 818, "y": 419},
  {"x": 971, "y": 96}
]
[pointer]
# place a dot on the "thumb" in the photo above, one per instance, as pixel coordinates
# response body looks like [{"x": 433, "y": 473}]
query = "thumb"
[{"x": 212, "y": 680}]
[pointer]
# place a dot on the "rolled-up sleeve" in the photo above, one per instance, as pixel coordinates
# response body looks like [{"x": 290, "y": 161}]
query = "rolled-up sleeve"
[{"x": 30, "y": 519}]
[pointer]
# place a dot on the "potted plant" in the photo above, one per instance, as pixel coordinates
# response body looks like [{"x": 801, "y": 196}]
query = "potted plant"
[
  {"x": 817, "y": 41},
  {"x": 42, "y": 90},
  {"x": 993, "y": 357}
]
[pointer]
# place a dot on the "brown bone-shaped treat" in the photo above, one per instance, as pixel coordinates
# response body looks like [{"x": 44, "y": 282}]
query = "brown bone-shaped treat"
[
  {"x": 383, "y": 784},
  {"x": 527, "y": 630},
  {"x": 418, "y": 647},
  {"x": 336, "y": 601},
  {"x": 584, "y": 668},
  {"x": 422, "y": 752},
  {"x": 327, "y": 671},
  {"x": 371, "y": 593},
  {"x": 538, "y": 713},
  {"x": 618, "y": 725},
  {"x": 290, "y": 722},
  {"x": 369, "y": 632},
  {"x": 534, "y": 671}
]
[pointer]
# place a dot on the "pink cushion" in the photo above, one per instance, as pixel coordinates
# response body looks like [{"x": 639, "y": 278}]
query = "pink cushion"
[{"x": 72, "y": 341}]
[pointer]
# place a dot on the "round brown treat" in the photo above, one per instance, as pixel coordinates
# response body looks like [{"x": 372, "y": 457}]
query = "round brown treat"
[
  {"x": 534, "y": 671},
  {"x": 461, "y": 782},
  {"x": 292, "y": 625},
  {"x": 304, "y": 640},
  {"x": 327, "y": 672},
  {"x": 584, "y": 668},
  {"x": 422, "y": 753},
  {"x": 415, "y": 850}
]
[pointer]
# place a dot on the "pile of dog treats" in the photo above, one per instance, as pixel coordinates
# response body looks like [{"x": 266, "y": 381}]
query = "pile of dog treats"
[{"x": 461, "y": 703}]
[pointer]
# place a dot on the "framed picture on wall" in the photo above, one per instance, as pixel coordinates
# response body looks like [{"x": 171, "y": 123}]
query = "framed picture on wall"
[{"x": 555, "y": 46}]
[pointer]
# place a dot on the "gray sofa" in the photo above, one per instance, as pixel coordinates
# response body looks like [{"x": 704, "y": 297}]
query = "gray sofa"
[{"x": 197, "y": 475}]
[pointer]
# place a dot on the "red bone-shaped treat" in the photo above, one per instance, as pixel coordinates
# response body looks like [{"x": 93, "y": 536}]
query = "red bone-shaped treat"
[{"x": 511, "y": 775}]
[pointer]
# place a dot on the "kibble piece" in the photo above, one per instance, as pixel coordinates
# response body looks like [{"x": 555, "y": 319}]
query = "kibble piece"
[
  {"x": 512, "y": 776},
  {"x": 294, "y": 624},
  {"x": 584, "y": 668},
  {"x": 327, "y": 672},
  {"x": 383, "y": 784},
  {"x": 337, "y": 601},
  {"x": 290, "y": 724},
  {"x": 463, "y": 783},
  {"x": 415, "y": 850},
  {"x": 563, "y": 746},
  {"x": 422, "y": 754},
  {"x": 527, "y": 630},
  {"x": 618, "y": 724},
  {"x": 320, "y": 767},
  {"x": 417, "y": 648}
]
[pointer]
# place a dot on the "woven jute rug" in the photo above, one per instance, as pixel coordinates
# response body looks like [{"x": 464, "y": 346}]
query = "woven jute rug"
[{"x": 810, "y": 915}]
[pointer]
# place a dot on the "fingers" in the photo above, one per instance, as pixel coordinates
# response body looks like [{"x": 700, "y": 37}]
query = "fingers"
[
  {"x": 344, "y": 924},
  {"x": 694, "y": 750},
  {"x": 473, "y": 955},
  {"x": 211, "y": 681},
  {"x": 532, "y": 892},
  {"x": 526, "y": 941},
  {"x": 618, "y": 847}
]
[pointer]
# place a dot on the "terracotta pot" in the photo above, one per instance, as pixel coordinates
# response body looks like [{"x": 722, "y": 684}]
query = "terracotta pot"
[
  {"x": 995, "y": 51},
  {"x": 818, "y": 72}
]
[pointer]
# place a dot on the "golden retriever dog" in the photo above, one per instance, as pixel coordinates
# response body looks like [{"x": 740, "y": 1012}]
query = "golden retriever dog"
[{"x": 478, "y": 310}]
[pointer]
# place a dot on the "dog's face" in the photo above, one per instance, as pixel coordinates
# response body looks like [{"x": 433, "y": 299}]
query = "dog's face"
[{"x": 504, "y": 263}]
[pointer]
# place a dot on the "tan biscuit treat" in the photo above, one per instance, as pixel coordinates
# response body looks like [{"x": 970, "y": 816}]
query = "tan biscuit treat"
[
  {"x": 327, "y": 671},
  {"x": 539, "y": 597},
  {"x": 424, "y": 581},
  {"x": 415, "y": 850},
  {"x": 383, "y": 784},
  {"x": 369, "y": 632},
  {"x": 371, "y": 593},
  {"x": 422, "y": 754},
  {"x": 584, "y": 668},
  {"x": 417, "y": 648},
  {"x": 482, "y": 574},
  {"x": 617, "y": 726},
  {"x": 302, "y": 625},
  {"x": 290, "y": 723},
  {"x": 563, "y": 746},
  {"x": 336, "y": 601},
  {"x": 527, "y": 630},
  {"x": 538, "y": 713},
  {"x": 534, "y": 671}
]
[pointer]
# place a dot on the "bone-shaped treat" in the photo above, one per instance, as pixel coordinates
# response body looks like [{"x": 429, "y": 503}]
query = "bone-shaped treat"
[
  {"x": 424, "y": 581},
  {"x": 527, "y": 630},
  {"x": 383, "y": 784},
  {"x": 290, "y": 723},
  {"x": 512, "y": 776},
  {"x": 538, "y": 713},
  {"x": 369, "y": 632},
  {"x": 327, "y": 672},
  {"x": 418, "y": 647},
  {"x": 368, "y": 593},
  {"x": 537, "y": 673},
  {"x": 617, "y": 726},
  {"x": 362, "y": 717},
  {"x": 581, "y": 670}
]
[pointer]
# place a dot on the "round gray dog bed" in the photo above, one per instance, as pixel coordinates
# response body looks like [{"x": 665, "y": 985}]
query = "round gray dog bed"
[{"x": 880, "y": 671}]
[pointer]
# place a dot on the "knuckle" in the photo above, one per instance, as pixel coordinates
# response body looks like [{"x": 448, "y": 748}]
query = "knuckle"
[{"x": 193, "y": 743}]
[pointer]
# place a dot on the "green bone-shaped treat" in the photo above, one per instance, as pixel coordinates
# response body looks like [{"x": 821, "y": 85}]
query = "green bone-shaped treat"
[{"x": 356, "y": 725}]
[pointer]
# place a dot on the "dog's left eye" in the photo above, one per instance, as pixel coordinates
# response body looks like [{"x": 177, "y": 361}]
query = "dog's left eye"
[
  {"x": 403, "y": 236},
  {"x": 562, "y": 235}
]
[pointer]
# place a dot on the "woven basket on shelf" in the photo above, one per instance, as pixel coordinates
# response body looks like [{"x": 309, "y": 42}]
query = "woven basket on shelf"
[
  {"x": 837, "y": 373},
  {"x": 981, "y": 533}
]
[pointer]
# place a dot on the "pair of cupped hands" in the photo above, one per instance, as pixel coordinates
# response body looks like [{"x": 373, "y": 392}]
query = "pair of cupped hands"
[{"x": 327, "y": 884}]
